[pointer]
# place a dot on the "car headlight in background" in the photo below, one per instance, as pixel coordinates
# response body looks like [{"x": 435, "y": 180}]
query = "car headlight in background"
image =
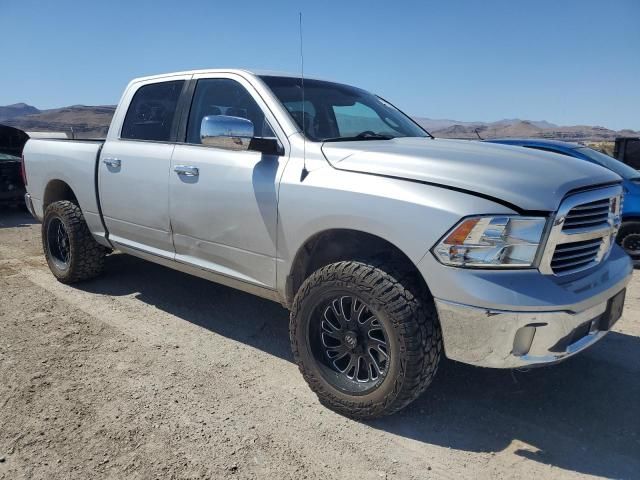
[{"x": 492, "y": 241}]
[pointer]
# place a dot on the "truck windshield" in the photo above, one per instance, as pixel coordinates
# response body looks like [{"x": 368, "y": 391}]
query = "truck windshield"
[
  {"x": 336, "y": 112},
  {"x": 616, "y": 166}
]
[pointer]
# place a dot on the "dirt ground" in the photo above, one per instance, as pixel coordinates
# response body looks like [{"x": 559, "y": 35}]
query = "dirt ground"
[{"x": 150, "y": 373}]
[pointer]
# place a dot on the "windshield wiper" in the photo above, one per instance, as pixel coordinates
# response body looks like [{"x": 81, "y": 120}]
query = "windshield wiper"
[{"x": 368, "y": 136}]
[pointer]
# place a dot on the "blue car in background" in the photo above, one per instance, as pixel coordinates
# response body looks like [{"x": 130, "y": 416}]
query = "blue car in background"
[{"x": 629, "y": 234}]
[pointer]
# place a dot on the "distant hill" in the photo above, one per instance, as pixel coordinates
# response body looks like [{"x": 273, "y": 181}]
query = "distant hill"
[
  {"x": 93, "y": 121},
  {"x": 86, "y": 121},
  {"x": 442, "y": 124},
  {"x": 16, "y": 110},
  {"x": 511, "y": 128}
]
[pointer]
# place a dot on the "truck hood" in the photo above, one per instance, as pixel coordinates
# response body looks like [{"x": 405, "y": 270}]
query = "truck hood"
[{"x": 529, "y": 179}]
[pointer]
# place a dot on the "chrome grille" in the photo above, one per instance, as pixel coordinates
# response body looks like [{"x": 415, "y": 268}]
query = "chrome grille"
[
  {"x": 583, "y": 231},
  {"x": 575, "y": 255},
  {"x": 589, "y": 215}
]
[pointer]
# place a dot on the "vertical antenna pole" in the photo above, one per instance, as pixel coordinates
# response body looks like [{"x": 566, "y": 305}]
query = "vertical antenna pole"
[{"x": 305, "y": 172}]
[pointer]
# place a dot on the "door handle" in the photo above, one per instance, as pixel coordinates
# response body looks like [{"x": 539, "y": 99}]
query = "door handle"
[
  {"x": 112, "y": 162},
  {"x": 186, "y": 170}
]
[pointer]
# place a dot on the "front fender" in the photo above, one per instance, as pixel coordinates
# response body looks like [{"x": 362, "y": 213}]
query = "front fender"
[{"x": 409, "y": 215}]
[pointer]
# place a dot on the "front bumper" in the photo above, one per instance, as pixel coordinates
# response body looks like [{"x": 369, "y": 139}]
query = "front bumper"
[
  {"x": 503, "y": 339},
  {"x": 523, "y": 318}
]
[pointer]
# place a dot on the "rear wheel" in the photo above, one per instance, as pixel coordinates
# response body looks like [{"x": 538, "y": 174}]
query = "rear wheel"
[
  {"x": 629, "y": 239},
  {"x": 367, "y": 341},
  {"x": 71, "y": 251}
]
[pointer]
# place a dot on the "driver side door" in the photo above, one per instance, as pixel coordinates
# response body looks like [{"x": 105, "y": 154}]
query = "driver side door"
[{"x": 223, "y": 202}]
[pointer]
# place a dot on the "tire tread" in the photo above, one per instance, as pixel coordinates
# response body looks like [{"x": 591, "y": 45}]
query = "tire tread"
[
  {"x": 87, "y": 255},
  {"x": 412, "y": 311}
]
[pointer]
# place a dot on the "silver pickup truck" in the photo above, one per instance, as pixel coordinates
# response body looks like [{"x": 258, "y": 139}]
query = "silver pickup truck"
[{"x": 390, "y": 247}]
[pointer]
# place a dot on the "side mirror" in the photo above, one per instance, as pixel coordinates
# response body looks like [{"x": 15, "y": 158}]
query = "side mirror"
[
  {"x": 235, "y": 133},
  {"x": 232, "y": 133}
]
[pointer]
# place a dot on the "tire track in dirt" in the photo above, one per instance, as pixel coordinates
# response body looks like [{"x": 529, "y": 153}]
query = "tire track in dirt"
[{"x": 282, "y": 414}]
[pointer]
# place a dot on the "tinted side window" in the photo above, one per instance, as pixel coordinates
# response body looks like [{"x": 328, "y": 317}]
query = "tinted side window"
[
  {"x": 152, "y": 111},
  {"x": 222, "y": 96}
]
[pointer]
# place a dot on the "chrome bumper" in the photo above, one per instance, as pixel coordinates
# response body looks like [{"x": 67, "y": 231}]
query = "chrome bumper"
[
  {"x": 526, "y": 337},
  {"x": 29, "y": 204},
  {"x": 503, "y": 339},
  {"x": 486, "y": 315}
]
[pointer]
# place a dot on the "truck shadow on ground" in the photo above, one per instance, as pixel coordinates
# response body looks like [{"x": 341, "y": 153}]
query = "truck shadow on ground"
[{"x": 582, "y": 415}]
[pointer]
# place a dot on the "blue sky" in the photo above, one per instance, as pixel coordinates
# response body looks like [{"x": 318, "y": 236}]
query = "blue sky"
[{"x": 568, "y": 62}]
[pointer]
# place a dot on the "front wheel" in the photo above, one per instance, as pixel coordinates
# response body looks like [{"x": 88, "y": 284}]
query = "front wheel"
[
  {"x": 366, "y": 342},
  {"x": 71, "y": 251}
]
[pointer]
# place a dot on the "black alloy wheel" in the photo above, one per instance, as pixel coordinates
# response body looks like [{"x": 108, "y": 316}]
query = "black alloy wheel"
[
  {"x": 57, "y": 241},
  {"x": 350, "y": 343}
]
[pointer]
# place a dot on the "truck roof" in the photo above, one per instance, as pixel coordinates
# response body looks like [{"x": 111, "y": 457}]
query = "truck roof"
[{"x": 239, "y": 71}]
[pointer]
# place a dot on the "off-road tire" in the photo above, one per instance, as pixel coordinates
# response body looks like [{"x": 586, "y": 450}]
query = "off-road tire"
[
  {"x": 86, "y": 256},
  {"x": 627, "y": 230},
  {"x": 411, "y": 321}
]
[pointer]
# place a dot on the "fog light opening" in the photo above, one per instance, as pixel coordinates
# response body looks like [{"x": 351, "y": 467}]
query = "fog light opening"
[{"x": 523, "y": 340}]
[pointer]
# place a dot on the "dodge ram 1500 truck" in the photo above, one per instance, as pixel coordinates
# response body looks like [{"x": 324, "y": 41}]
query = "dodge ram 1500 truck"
[{"x": 390, "y": 247}]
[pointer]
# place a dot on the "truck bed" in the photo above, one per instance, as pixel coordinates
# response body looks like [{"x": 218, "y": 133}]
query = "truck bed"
[{"x": 72, "y": 163}]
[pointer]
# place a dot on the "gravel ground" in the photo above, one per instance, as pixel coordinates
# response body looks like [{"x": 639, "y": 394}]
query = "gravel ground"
[{"x": 150, "y": 373}]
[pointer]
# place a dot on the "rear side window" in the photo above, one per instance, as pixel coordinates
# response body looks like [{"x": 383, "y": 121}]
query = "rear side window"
[{"x": 152, "y": 112}]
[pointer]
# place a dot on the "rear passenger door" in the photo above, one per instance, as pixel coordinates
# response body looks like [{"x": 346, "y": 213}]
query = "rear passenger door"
[
  {"x": 134, "y": 167},
  {"x": 225, "y": 218}
]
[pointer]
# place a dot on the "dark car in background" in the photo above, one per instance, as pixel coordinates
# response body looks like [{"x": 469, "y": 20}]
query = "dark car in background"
[
  {"x": 627, "y": 150},
  {"x": 629, "y": 233},
  {"x": 12, "y": 190},
  {"x": 11, "y": 185}
]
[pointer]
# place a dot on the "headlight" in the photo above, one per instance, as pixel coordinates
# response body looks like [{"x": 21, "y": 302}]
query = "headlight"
[{"x": 490, "y": 242}]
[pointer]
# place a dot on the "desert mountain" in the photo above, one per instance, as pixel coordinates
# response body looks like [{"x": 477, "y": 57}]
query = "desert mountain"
[
  {"x": 513, "y": 128},
  {"x": 16, "y": 110},
  {"x": 85, "y": 121},
  {"x": 93, "y": 121}
]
